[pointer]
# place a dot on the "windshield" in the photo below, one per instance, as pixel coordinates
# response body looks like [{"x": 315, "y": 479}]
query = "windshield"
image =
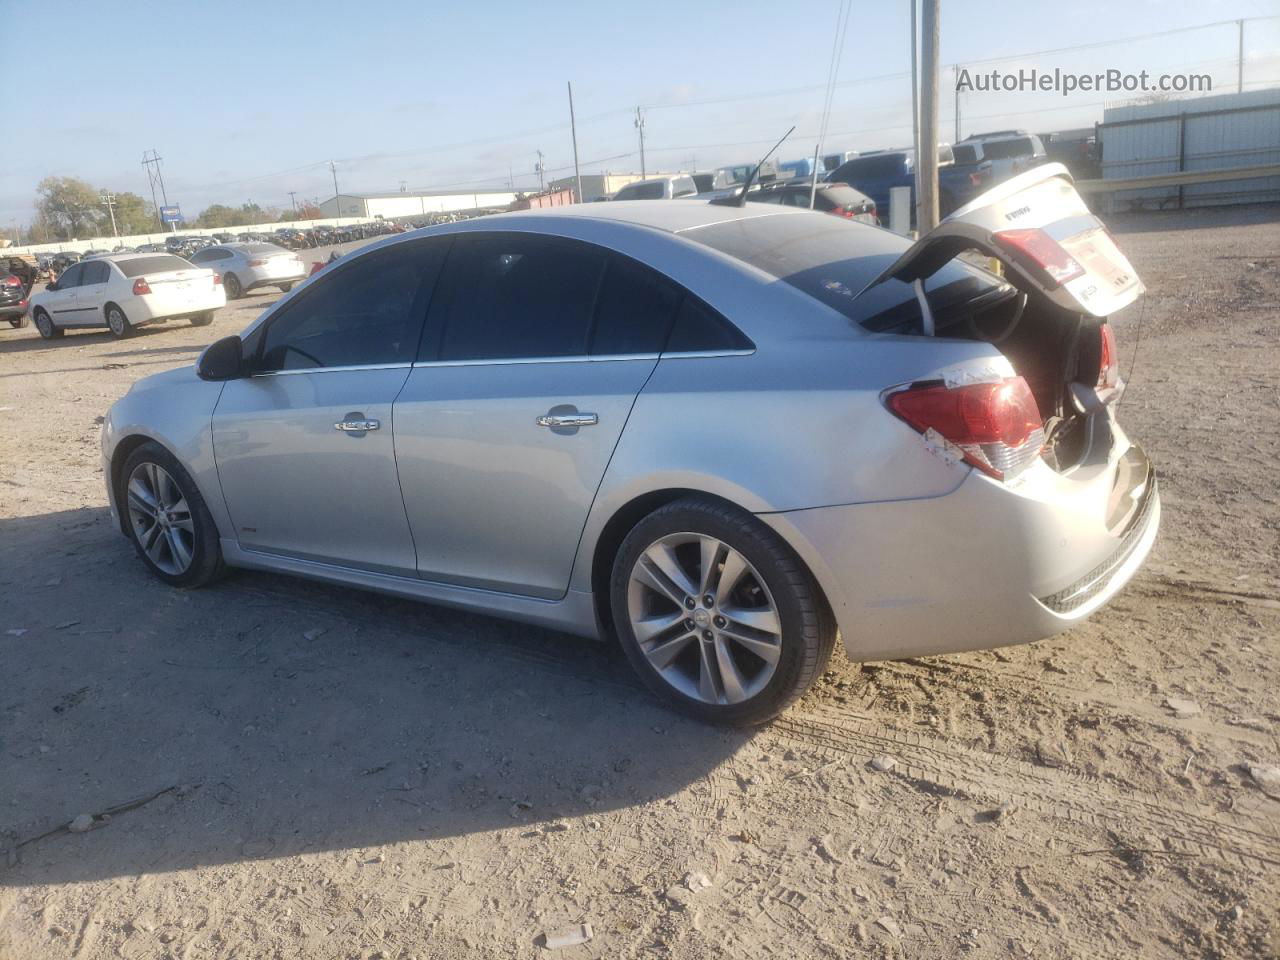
[{"x": 833, "y": 261}]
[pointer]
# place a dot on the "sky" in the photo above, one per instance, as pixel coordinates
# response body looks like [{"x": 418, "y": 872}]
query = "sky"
[{"x": 249, "y": 101}]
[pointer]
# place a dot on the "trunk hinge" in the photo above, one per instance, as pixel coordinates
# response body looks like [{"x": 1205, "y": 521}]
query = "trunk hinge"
[{"x": 926, "y": 315}]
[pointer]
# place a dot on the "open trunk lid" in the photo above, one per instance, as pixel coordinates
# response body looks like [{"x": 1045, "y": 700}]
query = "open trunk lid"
[{"x": 1038, "y": 226}]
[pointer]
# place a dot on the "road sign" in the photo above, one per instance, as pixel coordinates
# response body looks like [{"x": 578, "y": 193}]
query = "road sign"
[{"x": 171, "y": 214}]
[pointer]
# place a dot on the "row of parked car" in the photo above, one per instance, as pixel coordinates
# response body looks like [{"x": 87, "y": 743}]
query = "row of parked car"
[{"x": 858, "y": 185}]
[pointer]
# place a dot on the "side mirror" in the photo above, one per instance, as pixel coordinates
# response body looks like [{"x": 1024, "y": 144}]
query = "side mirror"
[{"x": 222, "y": 360}]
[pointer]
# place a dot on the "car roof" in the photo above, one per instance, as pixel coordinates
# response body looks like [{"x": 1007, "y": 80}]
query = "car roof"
[{"x": 670, "y": 216}]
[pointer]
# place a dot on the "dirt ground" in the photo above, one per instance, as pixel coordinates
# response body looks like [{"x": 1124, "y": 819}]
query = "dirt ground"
[{"x": 289, "y": 770}]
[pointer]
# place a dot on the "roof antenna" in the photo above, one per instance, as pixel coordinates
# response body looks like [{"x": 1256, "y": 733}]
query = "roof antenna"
[{"x": 742, "y": 197}]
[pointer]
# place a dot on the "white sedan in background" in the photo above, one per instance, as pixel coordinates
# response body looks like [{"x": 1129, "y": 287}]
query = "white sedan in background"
[
  {"x": 247, "y": 266},
  {"x": 124, "y": 291}
]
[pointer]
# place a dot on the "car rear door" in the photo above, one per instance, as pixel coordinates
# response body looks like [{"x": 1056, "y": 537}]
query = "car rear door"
[
  {"x": 305, "y": 444},
  {"x": 534, "y": 352}
]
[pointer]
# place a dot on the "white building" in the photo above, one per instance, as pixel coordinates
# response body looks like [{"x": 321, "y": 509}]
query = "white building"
[{"x": 391, "y": 206}]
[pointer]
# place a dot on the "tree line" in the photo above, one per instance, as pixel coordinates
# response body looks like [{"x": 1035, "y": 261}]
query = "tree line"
[{"x": 68, "y": 208}]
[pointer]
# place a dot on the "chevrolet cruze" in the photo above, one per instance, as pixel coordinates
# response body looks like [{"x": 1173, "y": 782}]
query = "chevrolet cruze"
[{"x": 725, "y": 435}]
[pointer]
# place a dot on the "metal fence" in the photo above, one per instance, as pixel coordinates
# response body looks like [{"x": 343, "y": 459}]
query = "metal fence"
[{"x": 1210, "y": 134}]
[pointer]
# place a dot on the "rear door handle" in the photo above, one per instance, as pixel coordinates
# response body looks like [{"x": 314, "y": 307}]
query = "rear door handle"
[
  {"x": 357, "y": 426},
  {"x": 568, "y": 420}
]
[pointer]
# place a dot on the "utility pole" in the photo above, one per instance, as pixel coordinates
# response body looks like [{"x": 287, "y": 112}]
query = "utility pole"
[
  {"x": 154, "y": 175},
  {"x": 927, "y": 158},
  {"x": 1240, "y": 57},
  {"x": 573, "y": 127},
  {"x": 293, "y": 198},
  {"x": 403, "y": 184},
  {"x": 109, "y": 202},
  {"x": 538, "y": 168},
  {"x": 955, "y": 74},
  {"x": 639, "y": 123},
  {"x": 333, "y": 168},
  {"x": 915, "y": 96}
]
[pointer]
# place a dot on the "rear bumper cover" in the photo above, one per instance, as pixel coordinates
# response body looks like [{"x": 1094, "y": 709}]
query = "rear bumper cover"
[{"x": 984, "y": 566}]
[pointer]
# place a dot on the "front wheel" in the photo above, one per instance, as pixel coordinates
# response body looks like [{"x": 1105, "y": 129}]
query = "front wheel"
[
  {"x": 202, "y": 319},
  {"x": 716, "y": 613},
  {"x": 117, "y": 322},
  {"x": 231, "y": 284},
  {"x": 46, "y": 327},
  {"x": 16, "y": 322},
  {"x": 169, "y": 524},
  {"x": 286, "y": 287}
]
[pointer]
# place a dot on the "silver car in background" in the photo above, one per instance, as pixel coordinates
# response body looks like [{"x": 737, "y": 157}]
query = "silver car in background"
[
  {"x": 723, "y": 435},
  {"x": 248, "y": 266}
]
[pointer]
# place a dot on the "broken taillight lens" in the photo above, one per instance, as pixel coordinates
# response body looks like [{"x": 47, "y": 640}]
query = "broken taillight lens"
[
  {"x": 1109, "y": 359},
  {"x": 1042, "y": 251},
  {"x": 995, "y": 427}
]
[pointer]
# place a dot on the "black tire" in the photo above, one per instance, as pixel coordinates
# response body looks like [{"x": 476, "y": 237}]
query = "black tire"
[
  {"x": 231, "y": 283},
  {"x": 808, "y": 628},
  {"x": 45, "y": 324},
  {"x": 286, "y": 287},
  {"x": 17, "y": 322},
  {"x": 202, "y": 319},
  {"x": 206, "y": 563},
  {"x": 117, "y": 322}
]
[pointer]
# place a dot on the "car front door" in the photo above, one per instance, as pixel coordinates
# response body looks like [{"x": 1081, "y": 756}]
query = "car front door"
[
  {"x": 534, "y": 351},
  {"x": 304, "y": 444},
  {"x": 62, "y": 302}
]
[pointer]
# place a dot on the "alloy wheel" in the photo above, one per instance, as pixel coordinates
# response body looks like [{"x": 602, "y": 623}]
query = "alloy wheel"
[
  {"x": 44, "y": 325},
  {"x": 161, "y": 519},
  {"x": 116, "y": 321},
  {"x": 704, "y": 619}
]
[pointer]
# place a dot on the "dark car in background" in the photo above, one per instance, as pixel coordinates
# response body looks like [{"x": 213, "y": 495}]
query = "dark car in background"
[
  {"x": 839, "y": 199},
  {"x": 13, "y": 300},
  {"x": 876, "y": 173}
]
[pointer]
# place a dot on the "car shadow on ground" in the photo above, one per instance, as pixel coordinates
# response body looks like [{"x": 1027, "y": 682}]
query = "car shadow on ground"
[
  {"x": 270, "y": 716},
  {"x": 87, "y": 336}
]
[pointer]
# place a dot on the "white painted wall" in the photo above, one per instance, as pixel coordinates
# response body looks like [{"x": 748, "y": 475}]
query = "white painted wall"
[{"x": 109, "y": 243}]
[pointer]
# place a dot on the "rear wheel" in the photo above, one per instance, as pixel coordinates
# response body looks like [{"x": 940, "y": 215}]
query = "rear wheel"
[
  {"x": 46, "y": 327},
  {"x": 717, "y": 615},
  {"x": 231, "y": 283},
  {"x": 16, "y": 322},
  {"x": 286, "y": 287},
  {"x": 202, "y": 319},
  {"x": 117, "y": 322},
  {"x": 169, "y": 524}
]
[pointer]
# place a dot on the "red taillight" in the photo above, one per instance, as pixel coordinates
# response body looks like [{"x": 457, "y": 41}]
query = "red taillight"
[
  {"x": 996, "y": 426},
  {"x": 217, "y": 279},
  {"x": 1043, "y": 251},
  {"x": 1108, "y": 360},
  {"x": 12, "y": 281},
  {"x": 141, "y": 287}
]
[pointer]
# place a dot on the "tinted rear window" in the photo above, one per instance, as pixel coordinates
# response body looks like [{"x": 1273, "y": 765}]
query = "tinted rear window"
[
  {"x": 642, "y": 191},
  {"x": 137, "y": 266},
  {"x": 843, "y": 196},
  {"x": 262, "y": 248},
  {"x": 965, "y": 154},
  {"x": 870, "y": 168},
  {"x": 1002, "y": 149},
  {"x": 832, "y": 261}
]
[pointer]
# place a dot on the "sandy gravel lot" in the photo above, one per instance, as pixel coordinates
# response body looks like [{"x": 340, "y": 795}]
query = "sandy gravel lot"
[{"x": 290, "y": 770}]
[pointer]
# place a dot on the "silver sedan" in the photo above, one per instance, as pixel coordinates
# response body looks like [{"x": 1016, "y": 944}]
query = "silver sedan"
[
  {"x": 248, "y": 266},
  {"x": 725, "y": 436}
]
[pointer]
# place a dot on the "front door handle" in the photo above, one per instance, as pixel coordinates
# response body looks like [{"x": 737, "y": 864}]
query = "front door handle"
[
  {"x": 357, "y": 426},
  {"x": 568, "y": 420}
]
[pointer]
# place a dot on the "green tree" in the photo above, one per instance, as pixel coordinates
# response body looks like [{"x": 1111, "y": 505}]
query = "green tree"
[
  {"x": 134, "y": 215},
  {"x": 218, "y": 215},
  {"x": 70, "y": 207}
]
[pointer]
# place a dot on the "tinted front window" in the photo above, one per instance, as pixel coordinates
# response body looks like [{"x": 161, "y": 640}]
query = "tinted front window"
[
  {"x": 634, "y": 310},
  {"x": 366, "y": 311},
  {"x": 705, "y": 181},
  {"x": 71, "y": 278},
  {"x": 515, "y": 295},
  {"x": 833, "y": 261},
  {"x": 137, "y": 266},
  {"x": 1003, "y": 149}
]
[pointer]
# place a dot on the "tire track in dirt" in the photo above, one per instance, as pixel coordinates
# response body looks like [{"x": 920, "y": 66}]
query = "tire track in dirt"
[{"x": 1235, "y": 839}]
